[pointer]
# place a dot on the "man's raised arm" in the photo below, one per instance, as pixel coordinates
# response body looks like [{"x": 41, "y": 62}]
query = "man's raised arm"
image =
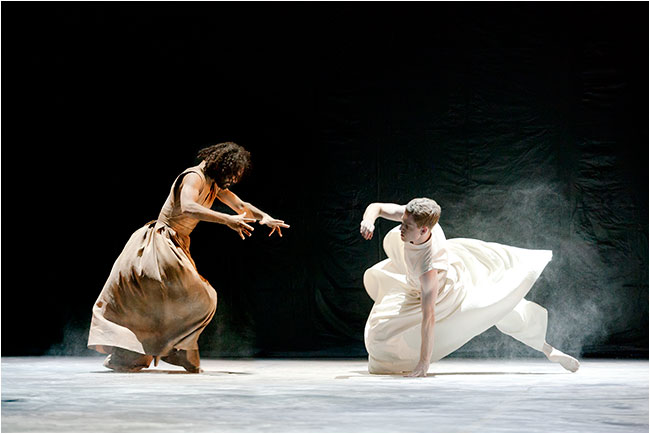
[{"x": 389, "y": 211}]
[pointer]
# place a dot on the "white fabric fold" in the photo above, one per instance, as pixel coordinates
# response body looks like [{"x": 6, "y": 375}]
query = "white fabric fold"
[{"x": 482, "y": 284}]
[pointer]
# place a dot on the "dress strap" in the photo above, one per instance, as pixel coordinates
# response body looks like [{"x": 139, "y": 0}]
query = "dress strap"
[
  {"x": 194, "y": 170},
  {"x": 179, "y": 178}
]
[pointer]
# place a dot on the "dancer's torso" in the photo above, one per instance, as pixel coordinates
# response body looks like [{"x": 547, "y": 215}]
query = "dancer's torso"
[
  {"x": 171, "y": 213},
  {"x": 426, "y": 256}
]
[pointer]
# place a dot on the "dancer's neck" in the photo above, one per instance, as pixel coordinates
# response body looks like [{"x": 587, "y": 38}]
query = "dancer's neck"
[{"x": 421, "y": 242}]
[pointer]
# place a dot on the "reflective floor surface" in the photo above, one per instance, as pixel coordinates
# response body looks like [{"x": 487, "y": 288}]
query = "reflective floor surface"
[{"x": 68, "y": 394}]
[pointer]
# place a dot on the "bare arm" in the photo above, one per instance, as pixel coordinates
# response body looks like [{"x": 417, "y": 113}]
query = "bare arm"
[
  {"x": 389, "y": 211},
  {"x": 188, "y": 196},
  {"x": 429, "y": 283},
  {"x": 239, "y": 206}
]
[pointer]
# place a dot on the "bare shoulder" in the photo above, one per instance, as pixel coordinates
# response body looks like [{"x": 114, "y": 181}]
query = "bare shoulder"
[
  {"x": 191, "y": 180},
  {"x": 194, "y": 172}
]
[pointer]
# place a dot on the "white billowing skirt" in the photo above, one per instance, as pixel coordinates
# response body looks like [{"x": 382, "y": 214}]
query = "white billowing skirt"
[{"x": 485, "y": 286}]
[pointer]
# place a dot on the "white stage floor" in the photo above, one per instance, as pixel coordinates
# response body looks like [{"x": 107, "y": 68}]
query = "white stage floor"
[{"x": 68, "y": 394}]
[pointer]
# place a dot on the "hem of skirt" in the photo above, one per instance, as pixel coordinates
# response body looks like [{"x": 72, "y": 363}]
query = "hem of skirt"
[{"x": 107, "y": 349}]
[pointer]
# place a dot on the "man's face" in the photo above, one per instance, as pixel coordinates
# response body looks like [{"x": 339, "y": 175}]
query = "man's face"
[
  {"x": 228, "y": 182},
  {"x": 409, "y": 230}
]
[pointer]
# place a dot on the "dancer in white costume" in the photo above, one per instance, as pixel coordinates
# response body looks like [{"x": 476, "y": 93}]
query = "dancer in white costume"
[{"x": 433, "y": 295}]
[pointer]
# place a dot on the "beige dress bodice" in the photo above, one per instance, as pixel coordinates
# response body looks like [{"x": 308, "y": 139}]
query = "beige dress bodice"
[{"x": 171, "y": 213}]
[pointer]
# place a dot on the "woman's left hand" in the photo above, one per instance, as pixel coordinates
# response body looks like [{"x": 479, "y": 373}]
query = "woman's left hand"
[{"x": 274, "y": 224}]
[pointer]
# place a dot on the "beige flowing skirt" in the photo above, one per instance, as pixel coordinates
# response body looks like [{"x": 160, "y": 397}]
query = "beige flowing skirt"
[
  {"x": 154, "y": 299},
  {"x": 485, "y": 286}
]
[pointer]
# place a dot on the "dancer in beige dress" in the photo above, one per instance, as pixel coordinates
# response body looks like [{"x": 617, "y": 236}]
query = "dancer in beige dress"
[
  {"x": 154, "y": 303},
  {"x": 433, "y": 295}
]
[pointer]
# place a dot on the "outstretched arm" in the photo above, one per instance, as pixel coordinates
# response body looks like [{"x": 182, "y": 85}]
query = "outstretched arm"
[
  {"x": 429, "y": 283},
  {"x": 389, "y": 211},
  {"x": 239, "y": 206},
  {"x": 189, "y": 206}
]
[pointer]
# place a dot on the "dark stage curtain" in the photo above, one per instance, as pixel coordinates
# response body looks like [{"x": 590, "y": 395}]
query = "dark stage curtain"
[{"x": 527, "y": 122}]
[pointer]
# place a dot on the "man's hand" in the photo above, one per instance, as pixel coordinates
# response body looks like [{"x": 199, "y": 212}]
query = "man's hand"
[
  {"x": 275, "y": 224},
  {"x": 367, "y": 229},
  {"x": 238, "y": 223},
  {"x": 420, "y": 370}
]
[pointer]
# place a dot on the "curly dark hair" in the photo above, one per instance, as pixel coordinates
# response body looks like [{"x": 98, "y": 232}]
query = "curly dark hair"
[{"x": 224, "y": 162}]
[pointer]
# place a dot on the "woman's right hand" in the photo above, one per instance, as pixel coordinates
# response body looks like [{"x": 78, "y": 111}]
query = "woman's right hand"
[
  {"x": 238, "y": 223},
  {"x": 367, "y": 229}
]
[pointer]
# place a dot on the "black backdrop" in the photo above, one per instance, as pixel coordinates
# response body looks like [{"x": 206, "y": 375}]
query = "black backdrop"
[{"x": 527, "y": 122}]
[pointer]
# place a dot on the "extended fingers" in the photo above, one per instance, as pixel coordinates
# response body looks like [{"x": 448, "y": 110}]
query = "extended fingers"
[
  {"x": 276, "y": 228},
  {"x": 418, "y": 372},
  {"x": 276, "y": 222},
  {"x": 243, "y": 232}
]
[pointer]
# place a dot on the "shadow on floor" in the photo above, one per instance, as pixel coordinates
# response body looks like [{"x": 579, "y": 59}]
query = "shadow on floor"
[
  {"x": 433, "y": 374},
  {"x": 165, "y": 371}
]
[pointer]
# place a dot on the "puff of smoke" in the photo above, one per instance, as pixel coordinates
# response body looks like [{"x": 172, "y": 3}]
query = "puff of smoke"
[
  {"x": 538, "y": 215},
  {"x": 73, "y": 343}
]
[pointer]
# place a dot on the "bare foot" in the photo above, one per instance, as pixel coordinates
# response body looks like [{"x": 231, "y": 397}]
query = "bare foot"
[
  {"x": 557, "y": 356},
  {"x": 187, "y": 359},
  {"x": 108, "y": 363}
]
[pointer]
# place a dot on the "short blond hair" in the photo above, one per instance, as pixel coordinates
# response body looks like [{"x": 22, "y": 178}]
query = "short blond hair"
[{"x": 425, "y": 211}]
